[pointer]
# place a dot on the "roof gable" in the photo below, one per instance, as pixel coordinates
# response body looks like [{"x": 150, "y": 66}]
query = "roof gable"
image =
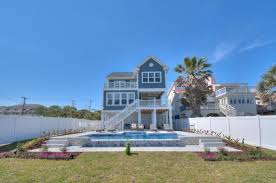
[{"x": 154, "y": 59}]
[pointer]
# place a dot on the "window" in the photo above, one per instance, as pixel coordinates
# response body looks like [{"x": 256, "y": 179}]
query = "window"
[
  {"x": 247, "y": 100},
  {"x": 235, "y": 101},
  {"x": 231, "y": 101},
  {"x": 157, "y": 77},
  {"x": 109, "y": 99},
  {"x": 145, "y": 77},
  {"x": 243, "y": 101},
  {"x": 131, "y": 98},
  {"x": 124, "y": 98},
  {"x": 151, "y": 77},
  {"x": 239, "y": 101},
  {"x": 117, "y": 99}
]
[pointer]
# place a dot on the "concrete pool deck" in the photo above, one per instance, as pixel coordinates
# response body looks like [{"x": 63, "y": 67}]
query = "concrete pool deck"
[
  {"x": 188, "y": 148},
  {"x": 190, "y": 143}
]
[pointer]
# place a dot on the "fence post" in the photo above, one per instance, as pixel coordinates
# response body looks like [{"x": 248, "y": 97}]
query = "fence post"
[
  {"x": 229, "y": 128},
  {"x": 260, "y": 130}
]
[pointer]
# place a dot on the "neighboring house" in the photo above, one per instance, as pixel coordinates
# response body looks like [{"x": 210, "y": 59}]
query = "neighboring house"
[
  {"x": 137, "y": 97},
  {"x": 232, "y": 99}
]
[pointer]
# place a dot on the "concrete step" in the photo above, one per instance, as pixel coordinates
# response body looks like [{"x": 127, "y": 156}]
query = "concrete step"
[
  {"x": 57, "y": 142},
  {"x": 209, "y": 140},
  {"x": 55, "y": 145},
  {"x": 212, "y": 144}
]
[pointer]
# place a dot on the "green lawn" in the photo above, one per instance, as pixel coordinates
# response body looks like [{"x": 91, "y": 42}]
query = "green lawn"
[{"x": 141, "y": 167}]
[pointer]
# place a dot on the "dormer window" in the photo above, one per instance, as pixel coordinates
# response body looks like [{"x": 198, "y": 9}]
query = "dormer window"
[{"x": 151, "y": 77}]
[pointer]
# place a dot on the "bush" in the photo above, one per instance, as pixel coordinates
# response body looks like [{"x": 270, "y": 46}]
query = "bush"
[
  {"x": 20, "y": 148},
  {"x": 222, "y": 151},
  {"x": 63, "y": 149},
  {"x": 7, "y": 155},
  {"x": 255, "y": 153},
  {"x": 57, "y": 155},
  {"x": 128, "y": 149},
  {"x": 35, "y": 143},
  {"x": 44, "y": 149},
  {"x": 209, "y": 156}
]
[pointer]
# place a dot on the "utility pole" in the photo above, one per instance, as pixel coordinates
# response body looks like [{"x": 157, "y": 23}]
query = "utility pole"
[
  {"x": 23, "y": 105},
  {"x": 90, "y": 104},
  {"x": 73, "y": 103}
]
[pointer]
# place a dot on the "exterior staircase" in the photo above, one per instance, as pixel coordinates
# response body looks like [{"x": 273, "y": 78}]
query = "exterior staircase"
[
  {"x": 116, "y": 120},
  {"x": 227, "y": 110}
]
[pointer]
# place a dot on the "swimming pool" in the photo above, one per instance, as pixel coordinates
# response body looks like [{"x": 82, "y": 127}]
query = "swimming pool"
[{"x": 134, "y": 136}]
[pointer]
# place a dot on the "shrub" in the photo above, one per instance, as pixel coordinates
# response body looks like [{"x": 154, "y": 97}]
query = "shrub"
[
  {"x": 242, "y": 142},
  {"x": 57, "y": 155},
  {"x": 222, "y": 151},
  {"x": 128, "y": 149},
  {"x": 255, "y": 153},
  {"x": 208, "y": 156},
  {"x": 207, "y": 150},
  {"x": 7, "y": 155},
  {"x": 44, "y": 149},
  {"x": 20, "y": 148},
  {"x": 63, "y": 149},
  {"x": 35, "y": 143}
]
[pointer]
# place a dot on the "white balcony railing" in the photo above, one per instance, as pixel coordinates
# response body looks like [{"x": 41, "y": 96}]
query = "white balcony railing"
[
  {"x": 226, "y": 90},
  {"x": 120, "y": 85},
  {"x": 153, "y": 103}
]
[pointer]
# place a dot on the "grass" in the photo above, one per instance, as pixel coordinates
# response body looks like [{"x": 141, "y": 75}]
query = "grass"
[{"x": 140, "y": 167}]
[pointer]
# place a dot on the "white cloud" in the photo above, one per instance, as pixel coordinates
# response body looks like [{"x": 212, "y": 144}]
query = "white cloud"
[
  {"x": 256, "y": 44},
  {"x": 223, "y": 50}
]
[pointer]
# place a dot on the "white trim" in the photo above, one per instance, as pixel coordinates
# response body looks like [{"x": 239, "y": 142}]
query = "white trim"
[{"x": 154, "y": 77}]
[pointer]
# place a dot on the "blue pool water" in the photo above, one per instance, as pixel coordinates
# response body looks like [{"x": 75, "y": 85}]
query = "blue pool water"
[{"x": 132, "y": 135}]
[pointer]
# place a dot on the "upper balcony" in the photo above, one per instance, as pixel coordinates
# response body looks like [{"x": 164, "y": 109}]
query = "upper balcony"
[
  {"x": 235, "y": 90},
  {"x": 121, "y": 85}
]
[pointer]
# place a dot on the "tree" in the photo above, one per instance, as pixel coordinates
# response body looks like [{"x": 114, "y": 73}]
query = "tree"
[
  {"x": 194, "y": 74},
  {"x": 54, "y": 111},
  {"x": 267, "y": 86}
]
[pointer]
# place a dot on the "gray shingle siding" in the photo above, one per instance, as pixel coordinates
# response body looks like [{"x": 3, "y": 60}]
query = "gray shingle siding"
[
  {"x": 105, "y": 107},
  {"x": 146, "y": 68}
]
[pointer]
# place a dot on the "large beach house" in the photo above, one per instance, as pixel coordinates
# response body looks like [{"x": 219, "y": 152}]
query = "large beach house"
[
  {"x": 227, "y": 99},
  {"x": 137, "y": 98}
]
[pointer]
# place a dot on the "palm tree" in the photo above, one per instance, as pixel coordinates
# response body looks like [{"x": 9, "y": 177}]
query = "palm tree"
[
  {"x": 267, "y": 85},
  {"x": 194, "y": 74}
]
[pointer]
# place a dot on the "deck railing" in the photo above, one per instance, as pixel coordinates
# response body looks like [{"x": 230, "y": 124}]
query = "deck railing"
[
  {"x": 244, "y": 89},
  {"x": 120, "y": 85},
  {"x": 153, "y": 103}
]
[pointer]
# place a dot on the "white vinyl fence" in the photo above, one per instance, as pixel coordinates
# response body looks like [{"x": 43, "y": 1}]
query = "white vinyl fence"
[
  {"x": 256, "y": 130},
  {"x": 15, "y": 128}
]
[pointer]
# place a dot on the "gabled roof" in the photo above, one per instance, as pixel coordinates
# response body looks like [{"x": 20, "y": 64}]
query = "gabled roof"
[
  {"x": 156, "y": 60},
  {"x": 121, "y": 75}
]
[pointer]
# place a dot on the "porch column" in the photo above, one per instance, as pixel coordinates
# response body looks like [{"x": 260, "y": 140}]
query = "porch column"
[
  {"x": 154, "y": 123},
  {"x": 170, "y": 119},
  {"x": 122, "y": 123},
  {"x": 139, "y": 116}
]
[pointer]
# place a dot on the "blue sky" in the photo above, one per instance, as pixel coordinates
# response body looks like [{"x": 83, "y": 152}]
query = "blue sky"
[{"x": 54, "y": 52}]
